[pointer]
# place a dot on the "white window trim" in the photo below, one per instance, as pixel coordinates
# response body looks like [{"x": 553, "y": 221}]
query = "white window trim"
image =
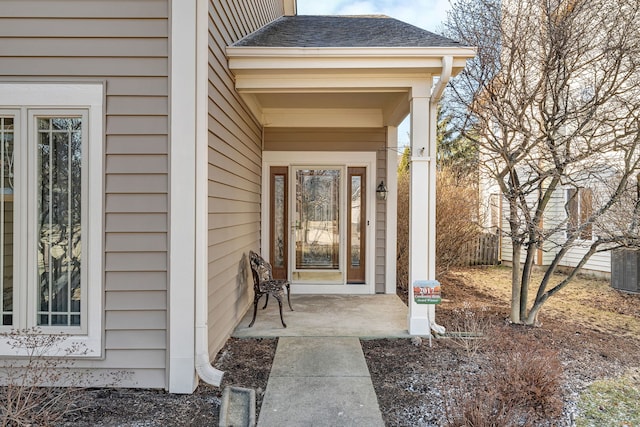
[{"x": 89, "y": 97}]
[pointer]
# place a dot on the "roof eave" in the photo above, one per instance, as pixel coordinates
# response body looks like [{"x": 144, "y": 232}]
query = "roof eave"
[
  {"x": 336, "y": 52},
  {"x": 428, "y": 59}
]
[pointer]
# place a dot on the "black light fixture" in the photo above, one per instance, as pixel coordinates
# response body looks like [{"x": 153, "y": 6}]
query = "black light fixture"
[{"x": 381, "y": 191}]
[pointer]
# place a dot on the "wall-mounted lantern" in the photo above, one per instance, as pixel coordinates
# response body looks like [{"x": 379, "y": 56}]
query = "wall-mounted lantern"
[{"x": 381, "y": 191}]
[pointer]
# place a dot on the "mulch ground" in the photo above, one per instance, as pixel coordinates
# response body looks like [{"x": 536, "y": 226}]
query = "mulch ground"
[{"x": 413, "y": 382}]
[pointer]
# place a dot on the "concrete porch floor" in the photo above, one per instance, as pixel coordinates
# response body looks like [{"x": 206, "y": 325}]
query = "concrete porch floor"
[
  {"x": 363, "y": 316},
  {"x": 319, "y": 354}
]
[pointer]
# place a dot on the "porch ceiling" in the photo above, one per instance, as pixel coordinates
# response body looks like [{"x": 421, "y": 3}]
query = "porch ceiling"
[
  {"x": 363, "y": 87},
  {"x": 339, "y": 71},
  {"x": 321, "y": 109}
]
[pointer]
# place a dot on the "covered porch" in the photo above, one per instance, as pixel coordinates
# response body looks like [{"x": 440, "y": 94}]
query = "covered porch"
[{"x": 330, "y": 93}]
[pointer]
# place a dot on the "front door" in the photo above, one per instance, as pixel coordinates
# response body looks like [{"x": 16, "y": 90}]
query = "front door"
[
  {"x": 317, "y": 216},
  {"x": 318, "y": 223}
]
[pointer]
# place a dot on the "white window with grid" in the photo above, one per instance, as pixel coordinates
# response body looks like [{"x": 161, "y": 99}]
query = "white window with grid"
[{"x": 51, "y": 211}]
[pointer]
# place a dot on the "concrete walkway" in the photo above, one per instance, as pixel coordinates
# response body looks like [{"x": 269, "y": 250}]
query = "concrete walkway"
[
  {"x": 319, "y": 375},
  {"x": 319, "y": 381}
]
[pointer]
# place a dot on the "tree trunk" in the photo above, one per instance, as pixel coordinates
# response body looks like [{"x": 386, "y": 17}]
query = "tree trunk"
[
  {"x": 532, "y": 318},
  {"x": 515, "y": 283},
  {"x": 526, "y": 280}
]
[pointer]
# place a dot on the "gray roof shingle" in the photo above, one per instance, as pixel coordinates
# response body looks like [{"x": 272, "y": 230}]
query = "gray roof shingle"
[{"x": 343, "y": 31}]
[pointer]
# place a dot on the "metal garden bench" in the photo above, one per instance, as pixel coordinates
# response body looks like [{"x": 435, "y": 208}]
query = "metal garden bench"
[{"x": 265, "y": 284}]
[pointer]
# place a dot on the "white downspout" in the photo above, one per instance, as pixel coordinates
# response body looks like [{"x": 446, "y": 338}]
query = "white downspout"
[
  {"x": 438, "y": 90},
  {"x": 206, "y": 372}
]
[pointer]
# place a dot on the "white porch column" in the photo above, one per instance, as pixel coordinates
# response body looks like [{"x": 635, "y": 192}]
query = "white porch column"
[{"x": 422, "y": 207}]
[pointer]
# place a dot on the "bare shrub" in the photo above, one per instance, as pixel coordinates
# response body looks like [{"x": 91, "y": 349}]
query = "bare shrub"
[
  {"x": 519, "y": 386},
  {"x": 456, "y": 210},
  {"x": 39, "y": 387},
  {"x": 470, "y": 328},
  {"x": 456, "y": 213},
  {"x": 478, "y": 407},
  {"x": 527, "y": 375},
  {"x": 402, "y": 256}
]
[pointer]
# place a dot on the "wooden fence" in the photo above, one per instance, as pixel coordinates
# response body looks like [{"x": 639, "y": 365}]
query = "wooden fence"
[{"x": 483, "y": 251}]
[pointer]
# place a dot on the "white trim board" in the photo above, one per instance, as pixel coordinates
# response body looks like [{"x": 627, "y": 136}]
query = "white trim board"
[{"x": 182, "y": 194}]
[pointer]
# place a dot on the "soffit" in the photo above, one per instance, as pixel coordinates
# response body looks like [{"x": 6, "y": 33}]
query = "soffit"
[
  {"x": 346, "y": 100},
  {"x": 315, "y": 71}
]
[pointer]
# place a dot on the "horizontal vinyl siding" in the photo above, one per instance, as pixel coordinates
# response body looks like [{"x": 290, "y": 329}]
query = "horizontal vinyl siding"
[
  {"x": 381, "y": 221},
  {"x": 78, "y": 47},
  {"x": 507, "y": 248},
  {"x": 126, "y": 45},
  {"x": 123, "y": 281},
  {"x": 324, "y": 139},
  {"x": 553, "y": 218},
  {"x": 235, "y": 158},
  {"x": 125, "y": 9},
  {"x": 598, "y": 262}
]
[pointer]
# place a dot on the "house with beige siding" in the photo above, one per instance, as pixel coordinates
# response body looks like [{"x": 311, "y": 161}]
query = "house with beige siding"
[{"x": 148, "y": 145}]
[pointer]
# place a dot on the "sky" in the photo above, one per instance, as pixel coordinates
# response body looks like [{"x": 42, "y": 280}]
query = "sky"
[{"x": 426, "y": 14}]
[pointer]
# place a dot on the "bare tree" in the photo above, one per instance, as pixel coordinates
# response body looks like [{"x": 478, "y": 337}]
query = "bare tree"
[{"x": 553, "y": 102}]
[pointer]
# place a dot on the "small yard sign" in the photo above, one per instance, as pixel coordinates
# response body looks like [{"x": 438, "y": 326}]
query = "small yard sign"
[{"x": 426, "y": 292}]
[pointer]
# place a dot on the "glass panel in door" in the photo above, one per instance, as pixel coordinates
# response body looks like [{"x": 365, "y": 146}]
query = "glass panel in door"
[
  {"x": 317, "y": 222},
  {"x": 356, "y": 225},
  {"x": 279, "y": 241}
]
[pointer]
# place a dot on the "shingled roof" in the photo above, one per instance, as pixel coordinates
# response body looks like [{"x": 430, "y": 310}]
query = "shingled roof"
[{"x": 343, "y": 31}]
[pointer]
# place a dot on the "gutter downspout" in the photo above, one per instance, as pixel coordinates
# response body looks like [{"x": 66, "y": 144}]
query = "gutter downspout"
[
  {"x": 205, "y": 371},
  {"x": 438, "y": 90},
  {"x": 436, "y": 94}
]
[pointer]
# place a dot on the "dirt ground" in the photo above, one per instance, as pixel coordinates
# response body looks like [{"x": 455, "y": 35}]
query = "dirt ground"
[
  {"x": 595, "y": 330},
  {"x": 246, "y": 363}
]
